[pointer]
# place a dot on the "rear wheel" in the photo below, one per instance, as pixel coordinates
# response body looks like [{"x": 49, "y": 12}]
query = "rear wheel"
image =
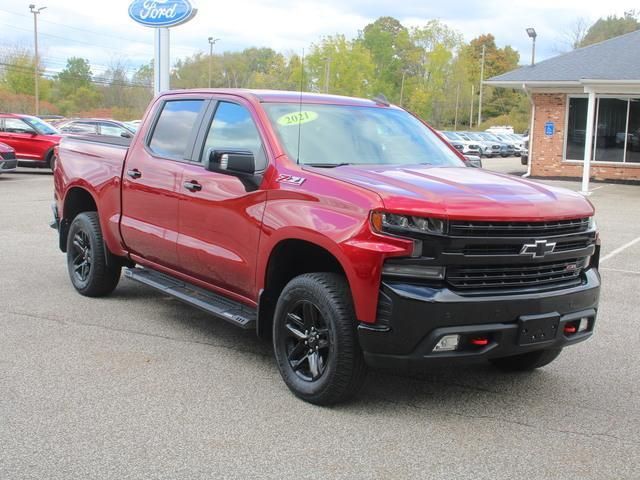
[
  {"x": 315, "y": 340},
  {"x": 527, "y": 361},
  {"x": 86, "y": 258}
]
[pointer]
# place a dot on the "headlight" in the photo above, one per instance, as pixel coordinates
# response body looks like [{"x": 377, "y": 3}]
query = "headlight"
[
  {"x": 592, "y": 223},
  {"x": 398, "y": 224}
]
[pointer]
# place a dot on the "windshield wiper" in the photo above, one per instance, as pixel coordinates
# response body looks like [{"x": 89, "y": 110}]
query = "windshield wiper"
[{"x": 326, "y": 165}]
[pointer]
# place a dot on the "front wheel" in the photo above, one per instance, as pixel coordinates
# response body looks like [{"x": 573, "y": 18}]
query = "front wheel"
[
  {"x": 526, "y": 361},
  {"x": 89, "y": 271},
  {"x": 315, "y": 339}
]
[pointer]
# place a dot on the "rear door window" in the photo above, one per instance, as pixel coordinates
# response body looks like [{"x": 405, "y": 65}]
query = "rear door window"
[{"x": 173, "y": 131}]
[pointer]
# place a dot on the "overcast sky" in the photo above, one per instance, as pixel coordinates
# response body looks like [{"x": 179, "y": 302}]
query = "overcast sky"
[{"x": 103, "y": 33}]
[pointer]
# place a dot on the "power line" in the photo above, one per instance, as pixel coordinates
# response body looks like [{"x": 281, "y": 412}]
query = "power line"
[
  {"x": 53, "y": 76},
  {"x": 117, "y": 37}
]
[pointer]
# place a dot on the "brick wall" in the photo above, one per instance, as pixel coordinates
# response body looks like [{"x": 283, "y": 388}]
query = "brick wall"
[{"x": 547, "y": 151}]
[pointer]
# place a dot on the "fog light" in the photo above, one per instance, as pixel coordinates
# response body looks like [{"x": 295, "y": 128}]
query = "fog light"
[
  {"x": 584, "y": 324},
  {"x": 447, "y": 343}
]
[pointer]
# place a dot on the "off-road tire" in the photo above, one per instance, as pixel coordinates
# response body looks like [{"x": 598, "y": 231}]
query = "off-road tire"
[
  {"x": 99, "y": 278},
  {"x": 345, "y": 369}
]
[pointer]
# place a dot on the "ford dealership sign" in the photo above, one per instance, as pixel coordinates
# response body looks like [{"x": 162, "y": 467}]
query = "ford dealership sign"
[{"x": 161, "y": 13}]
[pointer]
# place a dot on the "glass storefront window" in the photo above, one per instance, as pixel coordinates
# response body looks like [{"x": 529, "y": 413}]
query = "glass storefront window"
[
  {"x": 616, "y": 130},
  {"x": 633, "y": 135},
  {"x": 612, "y": 126}
]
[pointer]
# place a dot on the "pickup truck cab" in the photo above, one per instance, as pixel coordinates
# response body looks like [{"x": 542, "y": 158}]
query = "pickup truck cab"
[{"x": 346, "y": 231}]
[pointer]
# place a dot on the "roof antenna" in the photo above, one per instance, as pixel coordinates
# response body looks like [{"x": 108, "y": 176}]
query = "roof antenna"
[
  {"x": 380, "y": 99},
  {"x": 300, "y": 106}
]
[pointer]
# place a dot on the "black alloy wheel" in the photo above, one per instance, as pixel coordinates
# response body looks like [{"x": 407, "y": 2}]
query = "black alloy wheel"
[
  {"x": 308, "y": 341},
  {"x": 81, "y": 256}
]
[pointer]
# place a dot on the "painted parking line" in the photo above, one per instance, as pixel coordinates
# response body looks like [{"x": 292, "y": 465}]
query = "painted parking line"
[
  {"x": 619, "y": 270},
  {"x": 619, "y": 249}
]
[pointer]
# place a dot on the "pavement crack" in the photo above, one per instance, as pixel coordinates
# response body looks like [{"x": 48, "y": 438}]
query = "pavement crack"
[
  {"x": 607, "y": 436},
  {"x": 137, "y": 332}
]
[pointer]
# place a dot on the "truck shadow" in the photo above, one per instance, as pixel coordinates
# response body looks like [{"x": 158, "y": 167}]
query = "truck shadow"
[{"x": 454, "y": 390}]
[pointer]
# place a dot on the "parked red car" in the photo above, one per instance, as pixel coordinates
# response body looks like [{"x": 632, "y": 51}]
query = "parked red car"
[
  {"x": 8, "y": 162},
  {"x": 32, "y": 139}
]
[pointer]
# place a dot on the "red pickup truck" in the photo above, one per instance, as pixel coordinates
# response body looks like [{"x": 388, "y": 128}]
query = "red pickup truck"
[{"x": 344, "y": 230}]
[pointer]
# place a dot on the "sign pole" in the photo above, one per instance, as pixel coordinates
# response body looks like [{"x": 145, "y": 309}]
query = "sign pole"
[
  {"x": 162, "y": 60},
  {"x": 160, "y": 15}
]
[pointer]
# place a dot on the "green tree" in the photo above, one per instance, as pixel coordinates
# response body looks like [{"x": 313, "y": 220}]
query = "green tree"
[
  {"x": 390, "y": 47},
  {"x": 75, "y": 75},
  {"x": 611, "y": 26},
  {"x": 340, "y": 66}
]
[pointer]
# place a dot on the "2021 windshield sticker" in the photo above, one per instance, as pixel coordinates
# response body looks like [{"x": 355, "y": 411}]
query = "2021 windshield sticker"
[{"x": 297, "y": 118}]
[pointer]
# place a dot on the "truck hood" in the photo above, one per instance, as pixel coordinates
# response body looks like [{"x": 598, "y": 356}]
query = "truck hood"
[{"x": 463, "y": 193}]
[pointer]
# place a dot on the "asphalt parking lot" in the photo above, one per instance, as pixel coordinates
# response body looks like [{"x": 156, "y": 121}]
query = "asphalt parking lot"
[{"x": 139, "y": 386}]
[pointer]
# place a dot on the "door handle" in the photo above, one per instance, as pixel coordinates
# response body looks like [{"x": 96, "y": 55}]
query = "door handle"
[
  {"x": 192, "y": 186},
  {"x": 134, "y": 173}
]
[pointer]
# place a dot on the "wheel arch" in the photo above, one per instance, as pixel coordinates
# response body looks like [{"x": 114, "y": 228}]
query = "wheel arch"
[
  {"x": 288, "y": 259},
  {"x": 76, "y": 200}
]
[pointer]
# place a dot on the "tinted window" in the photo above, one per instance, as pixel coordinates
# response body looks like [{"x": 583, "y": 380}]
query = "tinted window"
[
  {"x": 174, "y": 126},
  {"x": 79, "y": 127},
  {"x": 113, "y": 130},
  {"x": 15, "y": 125},
  {"x": 233, "y": 129}
]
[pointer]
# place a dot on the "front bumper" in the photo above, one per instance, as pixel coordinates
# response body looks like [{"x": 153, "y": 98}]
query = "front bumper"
[
  {"x": 7, "y": 166},
  {"x": 413, "y": 318}
]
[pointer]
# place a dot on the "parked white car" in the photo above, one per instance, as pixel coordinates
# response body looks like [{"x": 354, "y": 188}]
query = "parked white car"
[{"x": 469, "y": 147}]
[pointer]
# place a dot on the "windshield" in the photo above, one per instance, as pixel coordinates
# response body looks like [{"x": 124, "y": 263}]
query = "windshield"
[
  {"x": 333, "y": 135},
  {"x": 41, "y": 126},
  {"x": 489, "y": 136},
  {"x": 474, "y": 136}
]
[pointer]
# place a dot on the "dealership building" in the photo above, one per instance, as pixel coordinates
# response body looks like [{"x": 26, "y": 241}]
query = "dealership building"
[{"x": 585, "y": 111}]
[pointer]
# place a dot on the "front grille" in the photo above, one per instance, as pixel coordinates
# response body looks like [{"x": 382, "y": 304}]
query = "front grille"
[
  {"x": 474, "y": 147},
  {"x": 514, "y": 249},
  {"x": 8, "y": 155},
  {"x": 481, "y": 277},
  {"x": 465, "y": 228}
]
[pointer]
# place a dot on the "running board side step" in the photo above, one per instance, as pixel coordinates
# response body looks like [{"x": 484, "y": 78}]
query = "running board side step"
[{"x": 222, "y": 307}]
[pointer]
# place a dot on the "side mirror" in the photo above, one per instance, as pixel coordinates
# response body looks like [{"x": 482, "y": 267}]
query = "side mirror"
[
  {"x": 239, "y": 163},
  {"x": 473, "y": 161},
  {"x": 126, "y": 135},
  {"x": 232, "y": 162}
]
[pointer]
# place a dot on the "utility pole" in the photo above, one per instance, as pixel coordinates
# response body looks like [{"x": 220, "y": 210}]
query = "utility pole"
[
  {"x": 36, "y": 69},
  {"x": 212, "y": 42},
  {"x": 473, "y": 93},
  {"x": 402, "y": 87},
  {"x": 455, "y": 121},
  {"x": 481, "y": 82},
  {"x": 327, "y": 71}
]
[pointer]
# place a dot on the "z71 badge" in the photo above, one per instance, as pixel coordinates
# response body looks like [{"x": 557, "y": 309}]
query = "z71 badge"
[{"x": 290, "y": 179}]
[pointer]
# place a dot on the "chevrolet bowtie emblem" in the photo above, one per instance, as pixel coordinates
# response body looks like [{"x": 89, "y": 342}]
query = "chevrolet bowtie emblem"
[{"x": 538, "y": 249}]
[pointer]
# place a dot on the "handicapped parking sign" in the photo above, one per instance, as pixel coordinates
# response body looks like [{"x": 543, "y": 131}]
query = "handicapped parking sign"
[{"x": 549, "y": 129}]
